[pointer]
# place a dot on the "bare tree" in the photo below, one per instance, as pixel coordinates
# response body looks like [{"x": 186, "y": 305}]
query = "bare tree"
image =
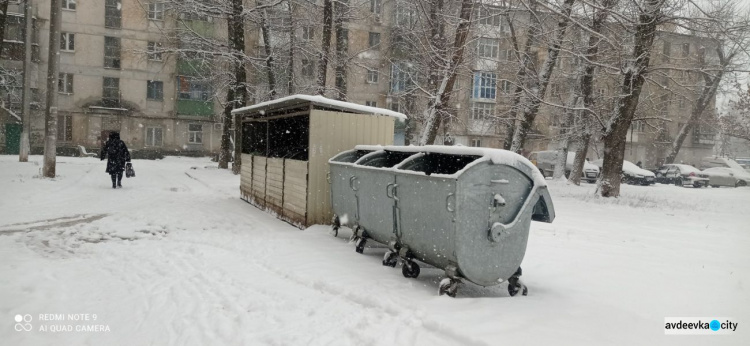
[
  {"x": 50, "y": 124},
  {"x": 449, "y": 62},
  {"x": 538, "y": 87},
  {"x": 237, "y": 91},
  {"x": 325, "y": 46},
  {"x": 649, "y": 14}
]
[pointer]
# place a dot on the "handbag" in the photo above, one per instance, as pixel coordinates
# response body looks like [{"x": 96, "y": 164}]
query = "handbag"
[{"x": 129, "y": 172}]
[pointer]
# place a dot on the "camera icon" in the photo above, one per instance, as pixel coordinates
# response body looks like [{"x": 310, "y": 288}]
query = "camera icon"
[{"x": 23, "y": 323}]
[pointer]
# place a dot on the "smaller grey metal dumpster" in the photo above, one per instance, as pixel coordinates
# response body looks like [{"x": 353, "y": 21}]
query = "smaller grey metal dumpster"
[
  {"x": 464, "y": 210},
  {"x": 343, "y": 189}
]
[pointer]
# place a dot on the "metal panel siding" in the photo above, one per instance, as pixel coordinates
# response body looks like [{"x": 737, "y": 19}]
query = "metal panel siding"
[
  {"x": 275, "y": 185},
  {"x": 295, "y": 191},
  {"x": 330, "y": 134},
  {"x": 246, "y": 176},
  {"x": 258, "y": 197}
]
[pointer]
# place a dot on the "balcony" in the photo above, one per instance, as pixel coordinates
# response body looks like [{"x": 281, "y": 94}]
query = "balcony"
[{"x": 195, "y": 108}]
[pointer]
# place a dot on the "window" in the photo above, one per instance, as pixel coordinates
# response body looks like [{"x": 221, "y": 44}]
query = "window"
[
  {"x": 637, "y": 126},
  {"x": 69, "y": 5},
  {"x": 400, "y": 77},
  {"x": 685, "y": 50},
  {"x": 681, "y": 103},
  {"x": 308, "y": 68},
  {"x": 192, "y": 89},
  {"x": 372, "y": 76},
  {"x": 371, "y": 103},
  {"x": 308, "y": 33},
  {"x": 153, "y": 136},
  {"x": 476, "y": 142},
  {"x": 405, "y": 16},
  {"x": 375, "y": 6},
  {"x": 112, "y": 14},
  {"x": 506, "y": 86},
  {"x": 482, "y": 110},
  {"x": 487, "y": 47},
  {"x": 64, "y": 128},
  {"x": 65, "y": 83},
  {"x": 195, "y": 133},
  {"x": 154, "y": 51},
  {"x": 344, "y": 33},
  {"x": 485, "y": 85},
  {"x": 704, "y": 134},
  {"x": 488, "y": 16},
  {"x": 111, "y": 92},
  {"x": 67, "y": 42},
  {"x": 112, "y": 52},
  {"x": 155, "y": 90},
  {"x": 664, "y": 102},
  {"x": 156, "y": 11},
  {"x": 666, "y": 51},
  {"x": 374, "y": 40}
]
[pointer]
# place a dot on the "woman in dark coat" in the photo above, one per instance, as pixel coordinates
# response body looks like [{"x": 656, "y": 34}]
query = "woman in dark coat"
[{"x": 117, "y": 153}]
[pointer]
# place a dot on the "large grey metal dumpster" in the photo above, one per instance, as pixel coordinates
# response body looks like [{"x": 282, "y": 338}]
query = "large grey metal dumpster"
[
  {"x": 464, "y": 210},
  {"x": 343, "y": 189}
]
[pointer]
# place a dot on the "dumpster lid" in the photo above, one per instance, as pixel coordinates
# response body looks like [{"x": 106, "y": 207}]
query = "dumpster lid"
[{"x": 318, "y": 101}]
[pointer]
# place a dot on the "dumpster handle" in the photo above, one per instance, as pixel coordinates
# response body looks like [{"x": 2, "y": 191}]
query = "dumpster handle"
[
  {"x": 390, "y": 190},
  {"x": 351, "y": 182},
  {"x": 447, "y": 202},
  {"x": 328, "y": 177}
]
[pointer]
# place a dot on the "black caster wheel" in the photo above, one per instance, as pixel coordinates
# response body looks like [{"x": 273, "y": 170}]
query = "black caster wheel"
[
  {"x": 334, "y": 231},
  {"x": 515, "y": 284},
  {"x": 335, "y": 225},
  {"x": 448, "y": 287},
  {"x": 390, "y": 259},
  {"x": 410, "y": 269},
  {"x": 360, "y": 245}
]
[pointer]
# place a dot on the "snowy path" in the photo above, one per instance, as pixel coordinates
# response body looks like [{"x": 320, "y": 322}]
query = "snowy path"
[{"x": 176, "y": 258}]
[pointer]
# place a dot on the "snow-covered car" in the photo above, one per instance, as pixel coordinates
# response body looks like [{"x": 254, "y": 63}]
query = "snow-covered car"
[
  {"x": 744, "y": 162},
  {"x": 682, "y": 175},
  {"x": 632, "y": 174},
  {"x": 546, "y": 160},
  {"x": 725, "y": 176}
]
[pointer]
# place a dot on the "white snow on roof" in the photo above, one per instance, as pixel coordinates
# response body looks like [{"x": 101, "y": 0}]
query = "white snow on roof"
[{"x": 323, "y": 100}]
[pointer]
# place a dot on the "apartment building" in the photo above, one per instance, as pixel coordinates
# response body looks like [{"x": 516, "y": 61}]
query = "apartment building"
[
  {"x": 109, "y": 81},
  {"x": 114, "y": 76}
]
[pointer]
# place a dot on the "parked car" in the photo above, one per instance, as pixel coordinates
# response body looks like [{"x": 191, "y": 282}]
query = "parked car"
[
  {"x": 715, "y": 161},
  {"x": 632, "y": 174},
  {"x": 546, "y": 160},
  {"x": 744, "y": 162},
  {"x": 725, "y": 176},
  {"x": 682, "y": 175}
]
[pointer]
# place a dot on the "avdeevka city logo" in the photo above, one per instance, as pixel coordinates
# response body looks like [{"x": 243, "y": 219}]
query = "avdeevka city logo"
[
  {"x": 23, "y": 323},
  {"x": 699, "y": 325}
]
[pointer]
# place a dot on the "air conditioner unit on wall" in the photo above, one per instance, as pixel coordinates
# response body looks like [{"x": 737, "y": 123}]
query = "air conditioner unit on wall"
[{"x": 218, "y": 126}]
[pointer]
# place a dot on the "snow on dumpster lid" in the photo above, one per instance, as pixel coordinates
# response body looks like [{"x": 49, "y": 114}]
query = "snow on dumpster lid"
[
  {"x": 320, "y": 100},
  {"x": 497, "y": 156}
]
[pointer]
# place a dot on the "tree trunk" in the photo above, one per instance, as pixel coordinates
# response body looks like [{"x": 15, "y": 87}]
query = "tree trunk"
[
  {"x": 325, "y": 46},
  {"x": 292, "y": 42},
  {"x": 539, "y": 87},
  {"x": 586, "y": 87},
  {"x": 632, "y": 85},
  {"x": 342, "y": 48},
  {"x": 562, "y": 157},
  {"x": 436, "y": 106},
  {"x": 707, "y": 94},
  {"x": 237, "y": 93},
  {"x": 3, "y": 20},
  {"x": 23, "y": 155},
  {"x": 522, "y": 76},
  {"x": 53, "y": 69},
  {"x": 269, "y": 55}
]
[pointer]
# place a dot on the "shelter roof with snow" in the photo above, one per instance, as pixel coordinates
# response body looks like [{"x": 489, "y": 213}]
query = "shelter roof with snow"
[{"x": 299, "y": 102}]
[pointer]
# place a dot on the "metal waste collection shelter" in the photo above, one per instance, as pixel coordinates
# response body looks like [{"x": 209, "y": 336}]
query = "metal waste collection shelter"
[{"x": 286, "y": 145}]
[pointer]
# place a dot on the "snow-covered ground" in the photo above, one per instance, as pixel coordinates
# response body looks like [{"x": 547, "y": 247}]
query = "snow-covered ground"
[{"x": 176, "y": 258}]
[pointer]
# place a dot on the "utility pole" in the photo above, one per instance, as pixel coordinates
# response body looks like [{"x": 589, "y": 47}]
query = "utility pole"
[
  {"x": 53, "y": 70},
  {"x": 23, "y": 155}
]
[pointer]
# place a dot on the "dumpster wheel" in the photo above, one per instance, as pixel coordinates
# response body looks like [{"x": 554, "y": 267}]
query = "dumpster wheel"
[
  {"x": 410, "y": 269},
  {"x": 335, "y": 225},
  {"x": 449, "y": 287},
  {"x": 390, "y": 259},
  {"x": 515, "y": 284}
]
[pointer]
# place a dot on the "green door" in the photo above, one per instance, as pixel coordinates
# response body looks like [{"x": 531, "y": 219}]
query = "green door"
[{"x": 12, "y": 138}]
